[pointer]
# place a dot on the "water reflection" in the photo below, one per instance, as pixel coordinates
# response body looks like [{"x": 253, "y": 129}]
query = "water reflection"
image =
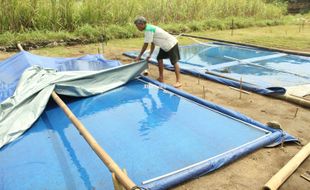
[{"x": 157, "y": 110}]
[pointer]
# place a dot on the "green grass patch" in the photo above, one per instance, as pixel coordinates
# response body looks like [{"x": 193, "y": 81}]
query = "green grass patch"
[
  {"x": 89, "y": 33},
  {"x": 70, "y": 15}
]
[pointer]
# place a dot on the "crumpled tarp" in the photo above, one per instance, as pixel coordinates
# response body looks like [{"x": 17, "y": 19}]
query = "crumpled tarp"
[
  {"x": 21, "y": 110},
  {"x": 12, "y": 68}
]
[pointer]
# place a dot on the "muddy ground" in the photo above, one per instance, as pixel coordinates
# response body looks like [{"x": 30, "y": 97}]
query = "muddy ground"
[{"x": 253, "y": 170}]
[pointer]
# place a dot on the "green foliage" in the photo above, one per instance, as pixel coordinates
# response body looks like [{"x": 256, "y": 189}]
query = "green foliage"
[
  {"x": 100, "y": 33},
  {"x": 70, "y": 15},
  {"x": 88, "y": 31},
  {"x": 9, "y": 38}
]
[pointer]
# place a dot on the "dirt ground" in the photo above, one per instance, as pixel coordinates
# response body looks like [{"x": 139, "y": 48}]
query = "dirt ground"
[{"x": 255, "y": 169}]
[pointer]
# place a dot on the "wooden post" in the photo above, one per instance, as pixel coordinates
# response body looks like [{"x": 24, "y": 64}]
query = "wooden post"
[
  {"x": 204, "y": 92},
  {"x": 276, "y": 181},
  {"x": 306, "y": 176},
  {"x": 240, "y": 87},
  {"x": 107, "y": 160},
  {"x": 116, "y": 183},
  {"x": 296, "y": 113},
  {"x": 20, "y": 47},
  {"x": 232, "y": 27}
]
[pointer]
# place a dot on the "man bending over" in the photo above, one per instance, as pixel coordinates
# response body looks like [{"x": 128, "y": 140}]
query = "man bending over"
[{"x": 168, "y": 47}]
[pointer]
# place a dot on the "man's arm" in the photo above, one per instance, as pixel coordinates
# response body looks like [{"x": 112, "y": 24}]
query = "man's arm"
[
  {"x": 151, "y": 51},
  {"x": 142, "y": 51}
]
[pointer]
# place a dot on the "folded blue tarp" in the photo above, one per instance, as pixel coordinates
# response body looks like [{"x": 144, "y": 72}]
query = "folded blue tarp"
[{"x": 11, "y": 69}]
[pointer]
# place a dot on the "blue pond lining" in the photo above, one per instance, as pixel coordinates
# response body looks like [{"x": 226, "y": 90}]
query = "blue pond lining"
[
  {"x": 245, "y": 61},
  {"x": 272, "y": 138},
  {"x": 83, "y": 164},
  {"x": 215, "y": 63}
]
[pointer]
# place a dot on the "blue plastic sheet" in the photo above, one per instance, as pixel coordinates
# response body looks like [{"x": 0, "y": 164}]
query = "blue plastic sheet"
[
  {"x": 11, "y": 69},
  {"x": 261, "y": 71},
  {"x": 147, "y": 130},
  {"x": 162, "y": 137}
]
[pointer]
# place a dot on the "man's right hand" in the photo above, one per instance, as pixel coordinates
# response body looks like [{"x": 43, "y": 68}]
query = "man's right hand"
[{"x": 138, "y": 58}]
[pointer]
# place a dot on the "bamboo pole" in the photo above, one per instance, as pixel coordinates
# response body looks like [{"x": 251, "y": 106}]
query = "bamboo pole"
[
  {"x": 20, "y": 47},
  {"x": 116, "y": 183},
  {"x": 107, "y": 160},
  {"x": 294, "y": 99},
  {"x": 276, "y": 181},
  {"x": 306, "y": 176}
]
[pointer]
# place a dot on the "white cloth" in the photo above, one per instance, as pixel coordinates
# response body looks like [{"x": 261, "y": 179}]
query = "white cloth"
[{"x": 161, "y": 38}]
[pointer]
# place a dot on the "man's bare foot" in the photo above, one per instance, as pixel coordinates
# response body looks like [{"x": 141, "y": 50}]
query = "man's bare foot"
[
  {"x": 145, "y": 72},
  {"x": 160, "y": 79},
  {"x": 177, "y": 85}
]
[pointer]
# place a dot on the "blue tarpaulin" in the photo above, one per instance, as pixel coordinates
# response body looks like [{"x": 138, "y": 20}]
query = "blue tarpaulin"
[
  {"x": 18, "y": 63},
  {"x": 162, "y": 136},
  {"x": 261, "y": 71}
]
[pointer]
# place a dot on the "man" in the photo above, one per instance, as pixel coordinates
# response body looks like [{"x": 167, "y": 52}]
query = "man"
[{"x": 168, "y": 47}]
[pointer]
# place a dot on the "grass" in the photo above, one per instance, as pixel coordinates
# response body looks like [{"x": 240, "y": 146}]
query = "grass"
[
  {"x": 113, "y": 31},
  {"x": 69, "y": 15},
  {"x": 284, "y": 36}
]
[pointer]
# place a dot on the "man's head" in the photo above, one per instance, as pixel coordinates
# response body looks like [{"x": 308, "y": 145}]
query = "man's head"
[{"x": 140, "y": 23}]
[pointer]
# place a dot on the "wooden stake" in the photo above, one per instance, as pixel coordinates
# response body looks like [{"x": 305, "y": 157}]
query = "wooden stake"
[
  {"x": 20, "y": 47},
  {"x": 240, "y": 87},
  {"x": 102, "y": 46},
  {"x": 107, "y": 160},
  {"x": 116, "y": 183},
  {"x": 276, "y": 181},
  {"x": 296, "y": 113},
  {"x": 305, "y": 176},
  {"x": 232, "y": 27},
  {"x": 204, "y": 92}
]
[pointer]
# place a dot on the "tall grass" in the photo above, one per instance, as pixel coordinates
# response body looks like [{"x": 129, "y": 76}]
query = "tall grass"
[{"x": 69, "y": 15}]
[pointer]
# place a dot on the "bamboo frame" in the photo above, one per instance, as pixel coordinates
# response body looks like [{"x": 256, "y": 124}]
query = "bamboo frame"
[{"x": 279, "y": 178}]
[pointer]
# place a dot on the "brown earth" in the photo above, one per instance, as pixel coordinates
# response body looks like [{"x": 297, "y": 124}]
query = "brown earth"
[{"x": 254, "y": 170}]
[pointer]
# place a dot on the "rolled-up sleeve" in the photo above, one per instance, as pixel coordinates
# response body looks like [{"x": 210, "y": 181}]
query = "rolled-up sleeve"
[{"x": 148, "y": 37}]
